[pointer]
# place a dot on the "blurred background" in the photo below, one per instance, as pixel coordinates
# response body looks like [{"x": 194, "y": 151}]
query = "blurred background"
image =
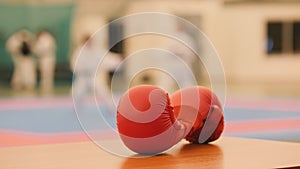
[{"x": 258, "y": 42}]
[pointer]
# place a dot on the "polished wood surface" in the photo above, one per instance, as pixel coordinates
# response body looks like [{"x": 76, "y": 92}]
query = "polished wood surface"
[{"x": 225, "y": 153}]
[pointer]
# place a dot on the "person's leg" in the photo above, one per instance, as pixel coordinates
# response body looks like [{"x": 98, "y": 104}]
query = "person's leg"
[
  {"x": 29, "y": 73},
  {"x": 47, "y": 68},
  {"x": 79, "y": 91},
  {"x": 15, "y": 80}
]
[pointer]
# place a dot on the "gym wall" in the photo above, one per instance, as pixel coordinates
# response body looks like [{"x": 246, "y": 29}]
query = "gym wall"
[{"x": 56, "y": 18}]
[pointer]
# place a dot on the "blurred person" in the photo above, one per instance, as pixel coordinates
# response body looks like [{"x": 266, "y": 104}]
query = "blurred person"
[
  {"x": 45, "y": 49},
  {"x": 87, "y": 70},
  {"x": 181, "y": 48},
  {"x": 19, "y": 45}
]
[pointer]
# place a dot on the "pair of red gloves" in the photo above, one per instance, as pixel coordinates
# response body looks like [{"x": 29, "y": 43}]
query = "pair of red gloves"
[{"x": 150, "y": 122}]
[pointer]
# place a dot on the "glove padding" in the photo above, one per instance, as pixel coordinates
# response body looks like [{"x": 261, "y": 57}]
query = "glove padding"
[
  {"x": 146, "y": 122},
  {"x": 209, "y": 122}
]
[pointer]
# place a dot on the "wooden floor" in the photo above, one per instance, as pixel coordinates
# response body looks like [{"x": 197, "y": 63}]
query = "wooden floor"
[{"x": 225, "y": 153}]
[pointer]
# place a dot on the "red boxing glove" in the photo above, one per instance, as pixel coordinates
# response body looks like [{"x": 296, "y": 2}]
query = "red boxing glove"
[
  {"x": 146, "y": 122},
  {"x": 209, "y": 123}
]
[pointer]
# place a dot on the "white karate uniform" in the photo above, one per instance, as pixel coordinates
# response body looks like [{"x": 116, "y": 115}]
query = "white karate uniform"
[
  {"x": 181, "y": 68},
  {"x": 45, "y": 48},
  {"x": 24, "y": 75},
  {"x": 89, "y": 75}
]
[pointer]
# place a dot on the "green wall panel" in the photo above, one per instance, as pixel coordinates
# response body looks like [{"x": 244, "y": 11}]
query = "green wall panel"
[{"x": 54, "y": 18}]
